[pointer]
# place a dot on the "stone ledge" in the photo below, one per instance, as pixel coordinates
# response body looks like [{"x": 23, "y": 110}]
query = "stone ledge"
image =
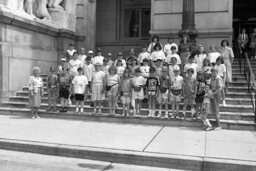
[{"x": 37, "y": 25}]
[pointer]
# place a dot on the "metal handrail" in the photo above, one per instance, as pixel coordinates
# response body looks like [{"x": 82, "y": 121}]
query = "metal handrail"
[{"x": 250, "y": 77}]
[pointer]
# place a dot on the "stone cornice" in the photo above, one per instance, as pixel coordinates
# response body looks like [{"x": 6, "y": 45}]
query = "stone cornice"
[{"x": 37, "y": 25}]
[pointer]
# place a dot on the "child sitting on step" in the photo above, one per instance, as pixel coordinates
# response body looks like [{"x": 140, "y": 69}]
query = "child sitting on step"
[
  {"x": 35, "y": 85},
  {"x": 79, "y": 83},
  {"x": 52, "y": 81}
]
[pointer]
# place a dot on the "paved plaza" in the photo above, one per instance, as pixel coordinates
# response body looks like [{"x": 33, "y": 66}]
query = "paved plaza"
[{"x": 182, "y": 142}]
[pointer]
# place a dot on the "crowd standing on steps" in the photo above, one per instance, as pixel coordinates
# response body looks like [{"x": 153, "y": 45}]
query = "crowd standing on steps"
[{"x": 158, "y": 76}]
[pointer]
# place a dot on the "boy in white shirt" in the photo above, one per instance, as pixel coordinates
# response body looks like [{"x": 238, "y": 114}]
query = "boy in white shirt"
[
  {"x": 172, "y": 66},
  {"x": 173, "y": 54},
  {"x": 143, "y": 55},
  {"x": 120, "y": 57},
  {"x": 79, "y": 83},
  {"x": 169, "y": 45},
  {"x": 99, "y": 58},
  {"x": 70, "y": 52},
  {"x": 82, "y": 56},
  {"x": 75, "y": 63},
  {"x": 88, "y": 70}
]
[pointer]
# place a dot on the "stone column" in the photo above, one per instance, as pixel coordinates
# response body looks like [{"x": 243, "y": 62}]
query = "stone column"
[{"x": 188, "y": 20}]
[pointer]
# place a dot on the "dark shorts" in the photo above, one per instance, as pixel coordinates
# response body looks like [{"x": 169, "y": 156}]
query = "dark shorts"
[
  {"x": 79, "y": 97},
  {"x": 64, "y": 93},
  {"x": 199, "y": 99}
]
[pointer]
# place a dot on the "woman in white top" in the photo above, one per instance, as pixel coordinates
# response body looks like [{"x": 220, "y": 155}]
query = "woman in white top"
[
  {"x": 199, "y": 58},
  {"x": 213, "y": 55},
  {"x": 155, "y": 39},
  {"x": 220, "y": 67},
  {"x": 112, "y": 84},
  {"x": 157, "y": 54}
]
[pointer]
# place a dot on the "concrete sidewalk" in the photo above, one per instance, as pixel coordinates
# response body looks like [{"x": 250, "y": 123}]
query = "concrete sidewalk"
[{"x": 133, "y": 144}]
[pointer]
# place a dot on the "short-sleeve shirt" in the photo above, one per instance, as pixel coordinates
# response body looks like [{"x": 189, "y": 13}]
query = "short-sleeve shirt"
[
  {"x": 152, "y": 84},
  {"x": 193, "y": 66},
  {"x": 221, "y": 69},
  {"x": 126, "y": 85},
  {"x": 199, "y": 60},
  {"x": 145, "y": 71},
  {"x": 213, "y": 56},
  {"x": 120, "y": 70},
  {"x": 64, "y": 80},
  {"x": 168, "y": 46},
  {"x": 138, "y": 81},
  {"x": 113, "y": 79},
  {"x": 74, "y": 65},
  {"x": 88, "y": 70},
  {"x": 200, "y": 85},
  {"x": 98, "y": 59},
  {"x": 79, "y": 83},
  {"x": 170, "y": 56},
  {"x": 143, "y": 55},
  {"x": 177, "y": 82},
  {"x": 98, "y": 77},
  {"x": 157, "y": 55},
  {"x": 171, "y": 73}
]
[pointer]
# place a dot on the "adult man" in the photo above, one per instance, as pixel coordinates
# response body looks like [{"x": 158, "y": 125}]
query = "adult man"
[{"x": 243, "y": 39}]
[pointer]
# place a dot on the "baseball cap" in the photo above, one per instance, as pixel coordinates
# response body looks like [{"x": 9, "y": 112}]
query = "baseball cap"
[
  {"x": 176, "y": 68},
  {"x": 109, "y": 54},
  {"x": 120, "y": 54},
  {"x": 63, "y": 59},
  {"x": 90, "y": 52}
]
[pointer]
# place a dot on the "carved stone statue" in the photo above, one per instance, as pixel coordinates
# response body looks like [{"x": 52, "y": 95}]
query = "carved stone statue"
[
  {"x": 41, "y": 10},
  {"x": 55, "y": 4}
]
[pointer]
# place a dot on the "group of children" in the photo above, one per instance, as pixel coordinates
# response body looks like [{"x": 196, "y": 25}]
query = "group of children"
[{"x": 154, "y": 78}]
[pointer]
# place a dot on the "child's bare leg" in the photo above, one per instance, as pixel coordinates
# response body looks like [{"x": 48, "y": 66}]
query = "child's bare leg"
[
  {"x": 185, "y": 109},
  {"x": 100, "y": 106},
  {"x": 114, "y": 104},
  {"x": 166, "y": 109},
  {"x": 95, "y": 107},
  {"x": 139, "y": 112},
  {"x": 36, "y": 112},
  {"x": 173, "y": 108},
  {"x": 32, "y": 112},
  {"x": 77, "y": 106},
  {"x": 153, "y": 106},
  {"x": 128, "y": 109},
  {"x": 177, "y": 104},
  {"x": 82, "y": 106},
  {"x": 110, "y": 105},
  {"x": 150, "y": 107}
]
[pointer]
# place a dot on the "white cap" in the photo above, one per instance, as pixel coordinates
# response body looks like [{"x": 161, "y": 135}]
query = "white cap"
[
  {"x": 63, "y": 59},
  {"x": 176, "y": 68},
  {"x": 90, "y": 51}
]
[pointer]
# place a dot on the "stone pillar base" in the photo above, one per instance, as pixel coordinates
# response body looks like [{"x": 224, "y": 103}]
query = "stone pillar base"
[{"x": 63, "y": 19}]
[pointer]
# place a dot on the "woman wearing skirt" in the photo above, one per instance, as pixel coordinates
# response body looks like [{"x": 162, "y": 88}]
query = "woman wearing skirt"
[{"x": 35, "y": 84}]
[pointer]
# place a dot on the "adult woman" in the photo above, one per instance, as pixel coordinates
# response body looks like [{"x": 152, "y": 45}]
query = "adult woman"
[
  {"x": 184, "y": 50},
  {"x": 155, "y": 39},
  {"x": 253, "y": 44},
  {"x": 157, "y": 54},
  {"x": 228, "y": 57}
]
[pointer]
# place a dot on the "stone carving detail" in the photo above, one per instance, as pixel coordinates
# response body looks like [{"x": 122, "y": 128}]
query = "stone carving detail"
[{"x": 39, "y": 8}]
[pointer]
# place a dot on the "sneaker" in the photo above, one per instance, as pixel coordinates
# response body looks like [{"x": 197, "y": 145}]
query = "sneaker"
[
  {"x": 37, "y": 117},
  {"x": 208, "y": 128},
  {"x": 82, "y": 110},
  {"x": 33, "y": 117},
  {"x": 224, "y": 103},
  {"x": 218, "y": 128}
]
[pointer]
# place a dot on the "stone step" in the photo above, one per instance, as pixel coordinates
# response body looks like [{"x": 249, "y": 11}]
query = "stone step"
[
  {"x": 235, "y": 89},
  {"x": 229, "y": 101},
  {"x": 244, "y": 120},
  {"x": 87, "y": 107}
]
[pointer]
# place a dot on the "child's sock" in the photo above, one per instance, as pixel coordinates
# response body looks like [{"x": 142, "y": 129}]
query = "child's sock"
[
  {"x": 77, "y": 110},
  {"x": 208, "y": 123},
  {"x": 192, "y": 112},
  {"x": 150, "y": 113},
  {"x": 82, "y": 109}
]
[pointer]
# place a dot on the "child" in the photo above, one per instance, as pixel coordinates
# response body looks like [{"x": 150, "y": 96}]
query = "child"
[
  {"x": 172, "y": 66},
  {"x": 88, "y": 70},
  {"x": 120, "y": 57},
  {"x": 105, "y": 67},
  {"x": 189, "y": 92},
  {"x": 164, "y": 92},
  {"x": 98, "y": 58},
  {"x": 191, "y": 65},
  {"x": 199, "y": 58},
  {"x": 215, "y": 100},
  {"x": 79, "y": 83},
  {"x": 158, "y": 67},
  {"x": 200, "y": 85},
  {"x": 175, "y": 91},
  {"x": 64, "y": 81},
  {"x": 70, "y": 52},
  {"x": 152, "y": 86},
  {"x": 221, "y": 68},
  {"x": 75, "y": 63},
  {"x": 173, "y": 54},
  {"x": 120, "y": 68},
  {"x": 35, "y": 85},
  {"x": 52, "y": 81},
  {"x": 112, "y": 84},
  {"x": 206, "y": 65},
  {"x": 137, "y": 91},
  {"x": 126, "y": 89},
  {"x": 143, "y": 55},
  {"x": 144, "y": 69},
  {"x": 206, "y": 108},
  {"x": 98, "y": 87},
  {"x": 64, "y": 66}
]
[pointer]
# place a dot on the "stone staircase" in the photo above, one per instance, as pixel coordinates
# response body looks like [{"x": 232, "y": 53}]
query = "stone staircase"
[{"x": 238, "y": 114}]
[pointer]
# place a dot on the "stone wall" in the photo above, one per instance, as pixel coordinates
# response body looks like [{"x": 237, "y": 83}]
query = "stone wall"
[
  {"x": 213, "y": 19},
  {"x": 26, "y": 42}
]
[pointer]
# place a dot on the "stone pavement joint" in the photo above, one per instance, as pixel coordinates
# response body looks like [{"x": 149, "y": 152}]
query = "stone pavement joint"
[{"x": 153, "y": 138}]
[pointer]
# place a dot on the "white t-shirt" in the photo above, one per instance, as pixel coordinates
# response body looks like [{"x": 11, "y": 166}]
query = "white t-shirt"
[
  {"x": 213, "y": 56},
  {"x": 143, "y": 55},
  {"x": 112, "y": 79},
  {"x": 194, "y": 66},
  {"x": 221, "y": 69},
  {"x": 171, "y": 73},
  {"x": 138, "y": 81},
  {"x": 145, "y": 71},
  {"x": 71, "y": 52},
  {"x": 88, "y": 70},
  {"x": 82, "y": 59},
  {"x": 157, "y": 55},
  {"x": 98, "y": 77},
  {"x": 123, "y": 63},
  {"x": 177, "y": 82},
  {"x": 169, "y": 56},
  {"x": 74, "y": 65},
  {"x": 199, "y": 59},
  {"x": 79, "y": 82},
  {"x": 120, "y": 70},
  {"x": 98, "y": 59},
  {"x": 167, "y": 48}
]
